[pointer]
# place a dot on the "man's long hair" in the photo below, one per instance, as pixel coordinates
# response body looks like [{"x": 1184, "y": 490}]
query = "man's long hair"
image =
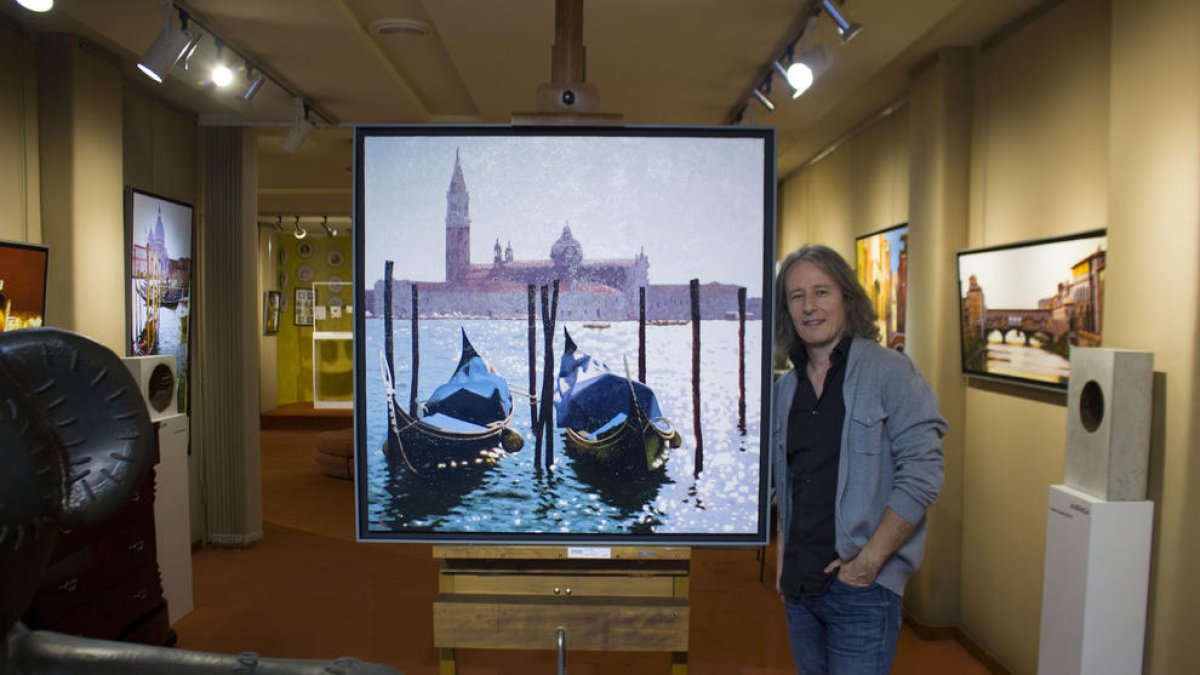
[{"x": 861, "y": 317}]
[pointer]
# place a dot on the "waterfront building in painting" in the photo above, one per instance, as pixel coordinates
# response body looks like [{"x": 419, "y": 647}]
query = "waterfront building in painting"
[
  {"x": 1074, "y": 310},
  {"x": 605, "y": 289}
]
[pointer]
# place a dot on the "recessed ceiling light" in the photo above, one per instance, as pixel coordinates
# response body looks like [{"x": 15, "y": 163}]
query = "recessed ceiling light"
[{"x": 394, "y": 27}]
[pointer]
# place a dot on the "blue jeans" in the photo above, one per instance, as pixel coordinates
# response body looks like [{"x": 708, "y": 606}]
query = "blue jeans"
[{"x": 846, "y": 630}]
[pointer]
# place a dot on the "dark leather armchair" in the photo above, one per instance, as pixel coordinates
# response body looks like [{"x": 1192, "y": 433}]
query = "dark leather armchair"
[{"x": 75, "y": 441}]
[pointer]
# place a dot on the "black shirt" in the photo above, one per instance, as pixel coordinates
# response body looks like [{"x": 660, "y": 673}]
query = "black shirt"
[{"x": 814, "y": 446}]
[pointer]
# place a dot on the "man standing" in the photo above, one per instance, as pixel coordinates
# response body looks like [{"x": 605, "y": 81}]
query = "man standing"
[{"x": 857, "y": 461}]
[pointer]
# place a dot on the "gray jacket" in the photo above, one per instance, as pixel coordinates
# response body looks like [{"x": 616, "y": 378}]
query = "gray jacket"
[{"x": 891, "y": 454}]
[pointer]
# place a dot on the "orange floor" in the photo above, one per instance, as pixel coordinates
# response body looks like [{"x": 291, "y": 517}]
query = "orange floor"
[{"x": 307, "y": 590}]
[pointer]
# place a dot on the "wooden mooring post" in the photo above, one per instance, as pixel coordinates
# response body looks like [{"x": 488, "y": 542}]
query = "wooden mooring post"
[
  {"x": 642, "y": 334},
  {"x": 699, "y": 452},
  {"x": 416, "y": 352},
  {"x": 546, "y": 414},
  {"x": 393, "y": 443},
  {"x": 531, "y": 298},
  {"x": 741, "y": 299}
]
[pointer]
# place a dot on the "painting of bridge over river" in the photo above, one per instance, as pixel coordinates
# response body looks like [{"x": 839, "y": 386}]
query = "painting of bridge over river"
[
  {"x": 1023, "y": 307},
  {"x": 562, "y": 337}
]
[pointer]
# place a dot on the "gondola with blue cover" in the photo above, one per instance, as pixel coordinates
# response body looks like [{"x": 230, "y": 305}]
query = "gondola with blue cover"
[
  {"x": 609, "y": 420},
  {"x": 465, "y": 425}
]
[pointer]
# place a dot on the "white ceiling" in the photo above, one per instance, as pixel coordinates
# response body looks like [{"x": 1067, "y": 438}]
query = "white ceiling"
[{"x": 654, "y": 62}]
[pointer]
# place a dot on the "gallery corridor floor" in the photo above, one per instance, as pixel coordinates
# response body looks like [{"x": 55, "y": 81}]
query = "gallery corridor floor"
[{"x": 308, "y": 590}]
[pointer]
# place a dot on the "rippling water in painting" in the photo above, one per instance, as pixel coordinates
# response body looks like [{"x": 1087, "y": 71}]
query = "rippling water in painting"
[{"x": 515, "y": 498}]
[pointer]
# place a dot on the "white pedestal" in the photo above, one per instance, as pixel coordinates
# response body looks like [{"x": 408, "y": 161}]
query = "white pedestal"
[
  {"x": 1095, "y": 584},
  {"x": 172, "y": 520}
]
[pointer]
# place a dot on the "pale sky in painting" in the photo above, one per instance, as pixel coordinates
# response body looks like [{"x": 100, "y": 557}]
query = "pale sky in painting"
[
  {"x": 1016, "y": 278},
  {"x": 695, "y": 204},
  {"x": 177, "y": 224}
]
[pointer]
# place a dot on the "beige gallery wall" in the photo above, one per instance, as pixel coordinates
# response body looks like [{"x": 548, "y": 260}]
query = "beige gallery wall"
[
  {"x": 1088, "y": 117},
  {"x": 859, "y": 188},
  {"x": 20, "y": 194},
  {"x": 1039, "y": 169}
]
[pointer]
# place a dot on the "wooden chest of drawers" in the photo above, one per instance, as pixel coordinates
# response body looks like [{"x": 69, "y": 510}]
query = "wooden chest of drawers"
[{"x": 103, "y": 581}]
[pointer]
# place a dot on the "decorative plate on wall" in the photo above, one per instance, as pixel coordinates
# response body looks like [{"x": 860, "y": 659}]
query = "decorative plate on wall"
[
  {"x": 304, "y": 249},
  {"x": 334, "y": 301},
  {"x": 283, "y": 278},
  {"x": 335, "y": 258},
  {"x": 336, "y": 284},
  {"x": 283, "y": 255},
  {"x": 304, "y": 273}
]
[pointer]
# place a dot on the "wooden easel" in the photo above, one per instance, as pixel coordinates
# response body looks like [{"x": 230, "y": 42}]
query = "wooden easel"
[
  {"x": 529, "y": 597},
  {"x": 519, "y": 597}
]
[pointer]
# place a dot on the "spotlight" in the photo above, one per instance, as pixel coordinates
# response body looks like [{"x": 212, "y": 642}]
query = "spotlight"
[
  {"x": 329, "y": 229},
  {"x": 279, "y": 223},
  {"x": 300, "y": 130},
  {"x": 803, "y": 71},
  {"x": 171, "y": 45},
  {"x": 845, "y": 28},
  {"x": 762, "y": 98},
  {"x": 300, "y": 232},
  {"x": 37, "y": 5},
  {"x": 256, "y": 83},
  {"x": 221, "y": 75}
]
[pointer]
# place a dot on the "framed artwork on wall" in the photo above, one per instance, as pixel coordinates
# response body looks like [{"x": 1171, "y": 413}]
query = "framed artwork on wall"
[
  {"x": 882, "y": 266},
  {"x": 23, "y": 271},
  {"x": 1024, "y": 305},
  {"x": 272, "y": 304},
  {"x": 646, "y": 255},
  {"x": 158, "y": 263},
  {"x": 303, "y": 307}
]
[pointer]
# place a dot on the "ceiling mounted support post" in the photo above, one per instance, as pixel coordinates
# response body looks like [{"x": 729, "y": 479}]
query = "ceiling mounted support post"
[
  {"x": 568, "y": 98},
  {"x": 568, "y": 56}
]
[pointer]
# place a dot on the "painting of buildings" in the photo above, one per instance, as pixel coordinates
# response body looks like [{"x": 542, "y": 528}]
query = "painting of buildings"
[
  {"x": 882, "y": 265},
  {"x": 160, "y": 279},
  {"x": 647, "y": 251},
  {"x": 22, "y": 285},
  {"x": 591, "y": 288},
  {"x": 1024, "y": 306}
]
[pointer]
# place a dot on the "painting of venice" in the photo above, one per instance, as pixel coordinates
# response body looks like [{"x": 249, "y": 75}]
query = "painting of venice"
[
  {"x": 160, "y": 280},
  {"x": 563, "y": 335}
]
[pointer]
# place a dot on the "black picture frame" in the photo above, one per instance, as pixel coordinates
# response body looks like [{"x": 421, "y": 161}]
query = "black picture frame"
[
  {"x": 572, "y": 197},
  {"x": 1023, "y": 305}
]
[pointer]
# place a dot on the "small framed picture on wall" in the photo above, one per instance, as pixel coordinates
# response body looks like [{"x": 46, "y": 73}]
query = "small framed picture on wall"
[
  {"x": 303, "y": 307},
  {"x": 272, "y": 303}
]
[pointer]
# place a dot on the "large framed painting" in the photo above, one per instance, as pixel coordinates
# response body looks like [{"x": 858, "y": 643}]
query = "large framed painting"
[
  {"x": 1024, "y": 305},
  {"x": 23, "y": 269},
  {"x": 565, "y": 335},
  {"x": 882, "y": 259},
  {"x": 158, "y": 235}
]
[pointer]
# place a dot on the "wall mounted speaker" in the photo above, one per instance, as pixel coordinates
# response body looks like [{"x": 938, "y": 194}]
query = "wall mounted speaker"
[
  {"x": 1109, "y": 408},
  {"x": 155, "y": 376}
]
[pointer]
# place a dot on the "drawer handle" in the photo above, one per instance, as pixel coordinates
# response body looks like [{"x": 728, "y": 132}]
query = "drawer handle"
[
  {"x": 141, "y": 594},
  {"x": 69, "y": 585},
  {"x": 138, "y": 545}
]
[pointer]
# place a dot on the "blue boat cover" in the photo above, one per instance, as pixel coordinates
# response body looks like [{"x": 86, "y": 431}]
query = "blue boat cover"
[
  {"x": 590, "y": 397},
  {"x": 474, "y": 393}
]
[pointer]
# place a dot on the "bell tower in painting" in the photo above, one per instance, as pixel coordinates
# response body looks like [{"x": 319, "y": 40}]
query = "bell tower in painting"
[{"x": 458, "y": 226}]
